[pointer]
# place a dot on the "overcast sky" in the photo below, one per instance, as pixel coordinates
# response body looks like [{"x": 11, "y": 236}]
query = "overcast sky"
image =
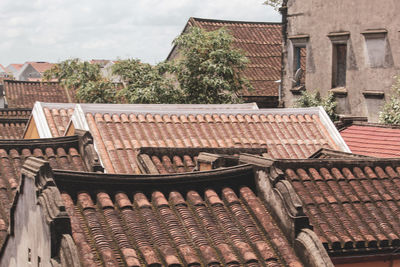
[{"x": 55, "y": 30}]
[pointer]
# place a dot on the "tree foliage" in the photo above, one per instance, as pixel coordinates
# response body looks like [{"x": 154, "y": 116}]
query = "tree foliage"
[
  {"x": 276, "y": 4},
  {"x": 144, "y": 83},
  {"x": 391, "y": 109},
  {"x": 314, "y": 99},
  {"x": 208, "y": 69},
  {"x": 84, "y": 79}
]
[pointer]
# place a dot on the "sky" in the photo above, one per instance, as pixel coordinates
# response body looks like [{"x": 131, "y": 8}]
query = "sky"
[{"x": 55, "y": 30}]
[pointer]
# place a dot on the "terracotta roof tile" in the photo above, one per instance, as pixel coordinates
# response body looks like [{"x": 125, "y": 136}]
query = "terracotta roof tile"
[
  {"x": 21, "y": 94},
  {"x": 261, "y": 43},
  {"x": 13, "y": 122},
  {"x": 352, "y": 204},
  {"x": 285, "y": 137},
  {"x": 203, "y": 222},
  {"x": 13, "y": 153},
  {"x": 41, "y": 67},
  {"x": 373, "y": 140}
]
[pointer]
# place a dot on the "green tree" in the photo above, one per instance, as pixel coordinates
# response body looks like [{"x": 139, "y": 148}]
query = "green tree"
[
  {"x": 314, "y": 99},
  {"x": 144, "y": 83},
  {"x": 207, "y": 71},
  {"x": 391, "y": 109},
  {"x": 84, "y": 79},
  {"x": 208, "y": 68}
]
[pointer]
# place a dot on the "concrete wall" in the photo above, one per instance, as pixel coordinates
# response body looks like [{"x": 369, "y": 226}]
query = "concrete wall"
[
  {"x": 368, "y": 79},
  {"x": 31, "y": 236}
]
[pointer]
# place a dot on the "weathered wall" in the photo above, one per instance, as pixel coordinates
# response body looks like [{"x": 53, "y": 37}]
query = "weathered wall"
[
  {"x": 31, "y": 232},
  {"x": 317, "y": 19}
]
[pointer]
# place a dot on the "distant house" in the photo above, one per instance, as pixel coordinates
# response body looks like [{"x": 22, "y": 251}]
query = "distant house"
[
  {"x": 261, "y": 43},
  {"x": 33, "y": 71},
  {"x": 349, "y": 48},
  {"x": 4, "y": 73},
  {"x": 13, "y": 69}
]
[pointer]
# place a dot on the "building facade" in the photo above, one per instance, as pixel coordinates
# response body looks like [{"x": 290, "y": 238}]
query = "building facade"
[{"x": 348, "y": 48}]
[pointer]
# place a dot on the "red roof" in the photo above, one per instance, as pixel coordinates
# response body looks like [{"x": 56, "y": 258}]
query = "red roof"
[
  {"x": 41, "y": 66},
  {"x": 262, "y": 45},
  {"x": 352, "y": 204},
  {"x": 22, "y": 94},
  {"x": 17, "y": 66},
  {"x": 201, "y": 219},
  {"x": 373, "y": 140}
]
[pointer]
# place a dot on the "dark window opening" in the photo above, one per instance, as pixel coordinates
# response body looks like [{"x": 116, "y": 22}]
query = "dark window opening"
[
  {"x": 300, "y": 56},
  {"x": 339, "y": 65},
  {"x": 29, "y": 255}
]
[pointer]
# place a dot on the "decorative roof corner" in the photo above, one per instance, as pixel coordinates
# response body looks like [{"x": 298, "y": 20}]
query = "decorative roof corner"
[
  {"x": 311, "y": 251},
  {"x": 88, "y": 151}
]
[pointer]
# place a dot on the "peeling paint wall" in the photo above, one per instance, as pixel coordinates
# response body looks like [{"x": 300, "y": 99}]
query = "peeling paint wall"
[{"x": 368, "y": 77}]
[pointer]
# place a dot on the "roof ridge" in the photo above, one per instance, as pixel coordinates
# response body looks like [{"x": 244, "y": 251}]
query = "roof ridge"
[{"x": 235, "y": 21}]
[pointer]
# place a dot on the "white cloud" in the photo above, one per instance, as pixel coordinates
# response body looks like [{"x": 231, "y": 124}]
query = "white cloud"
[{"x": 54, "y": 30}]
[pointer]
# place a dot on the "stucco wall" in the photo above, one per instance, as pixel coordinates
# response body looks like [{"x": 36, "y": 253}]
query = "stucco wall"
[
  {"x": 317, "y": 18},
  {"x": 30, "y": 232}
]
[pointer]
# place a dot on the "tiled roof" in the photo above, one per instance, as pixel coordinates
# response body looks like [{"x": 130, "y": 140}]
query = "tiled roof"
[
  {"x": 120, "y": 130},
  {"x": 261, "y": 42},
  {"x": 373, "y": 139},
  {"x": 284, "y": 135},
  {"x": 15, "y": 113},
  {"x": 13, "y": 122},
  {"x": 11, "y": 130},
  {"x": 17, "y": 66},
  {"x": 62, "y": 153},
  {"x": 325, "y": 153},
  {"x": 21, "y": 94},
  {"x": 205, "y": 219},
  {"x": 58, "y": 119},
  {"x": 354, "y": 205},
  {"x": 164, "y": 160},
  {"x": 41, "y": 67}
]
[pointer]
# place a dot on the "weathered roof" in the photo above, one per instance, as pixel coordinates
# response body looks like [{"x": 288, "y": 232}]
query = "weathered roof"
[
  {"x": 23, "y": 94},
  {"x": 13, "y": 122},
  {"x": 376, "y": 140},
  {"x": 40, "y": 67},
  {"x": 61, "y": 153},
  {"x": 164, "y": 160},
  {"x": 120, "y": 130},
  {"x": 209, "y": 218},
  {"x": 353, "y": 204},
  {"x": 261, "y": 43}
]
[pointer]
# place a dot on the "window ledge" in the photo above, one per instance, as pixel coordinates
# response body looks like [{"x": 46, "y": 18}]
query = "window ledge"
[
  {"x": 339, "y": 91},
  {"x": 373, "y": 94},
  {"x": 298, "y": 89}
]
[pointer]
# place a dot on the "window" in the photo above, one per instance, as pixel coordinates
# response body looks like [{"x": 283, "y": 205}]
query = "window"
[
  {"x": 375, "y": 44},
  {"x": 339, "y": 58},
  {"x": 299, "y": 60},
  {"x": 300, "y": 56},
  {"x": 339, "y": 65}
]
